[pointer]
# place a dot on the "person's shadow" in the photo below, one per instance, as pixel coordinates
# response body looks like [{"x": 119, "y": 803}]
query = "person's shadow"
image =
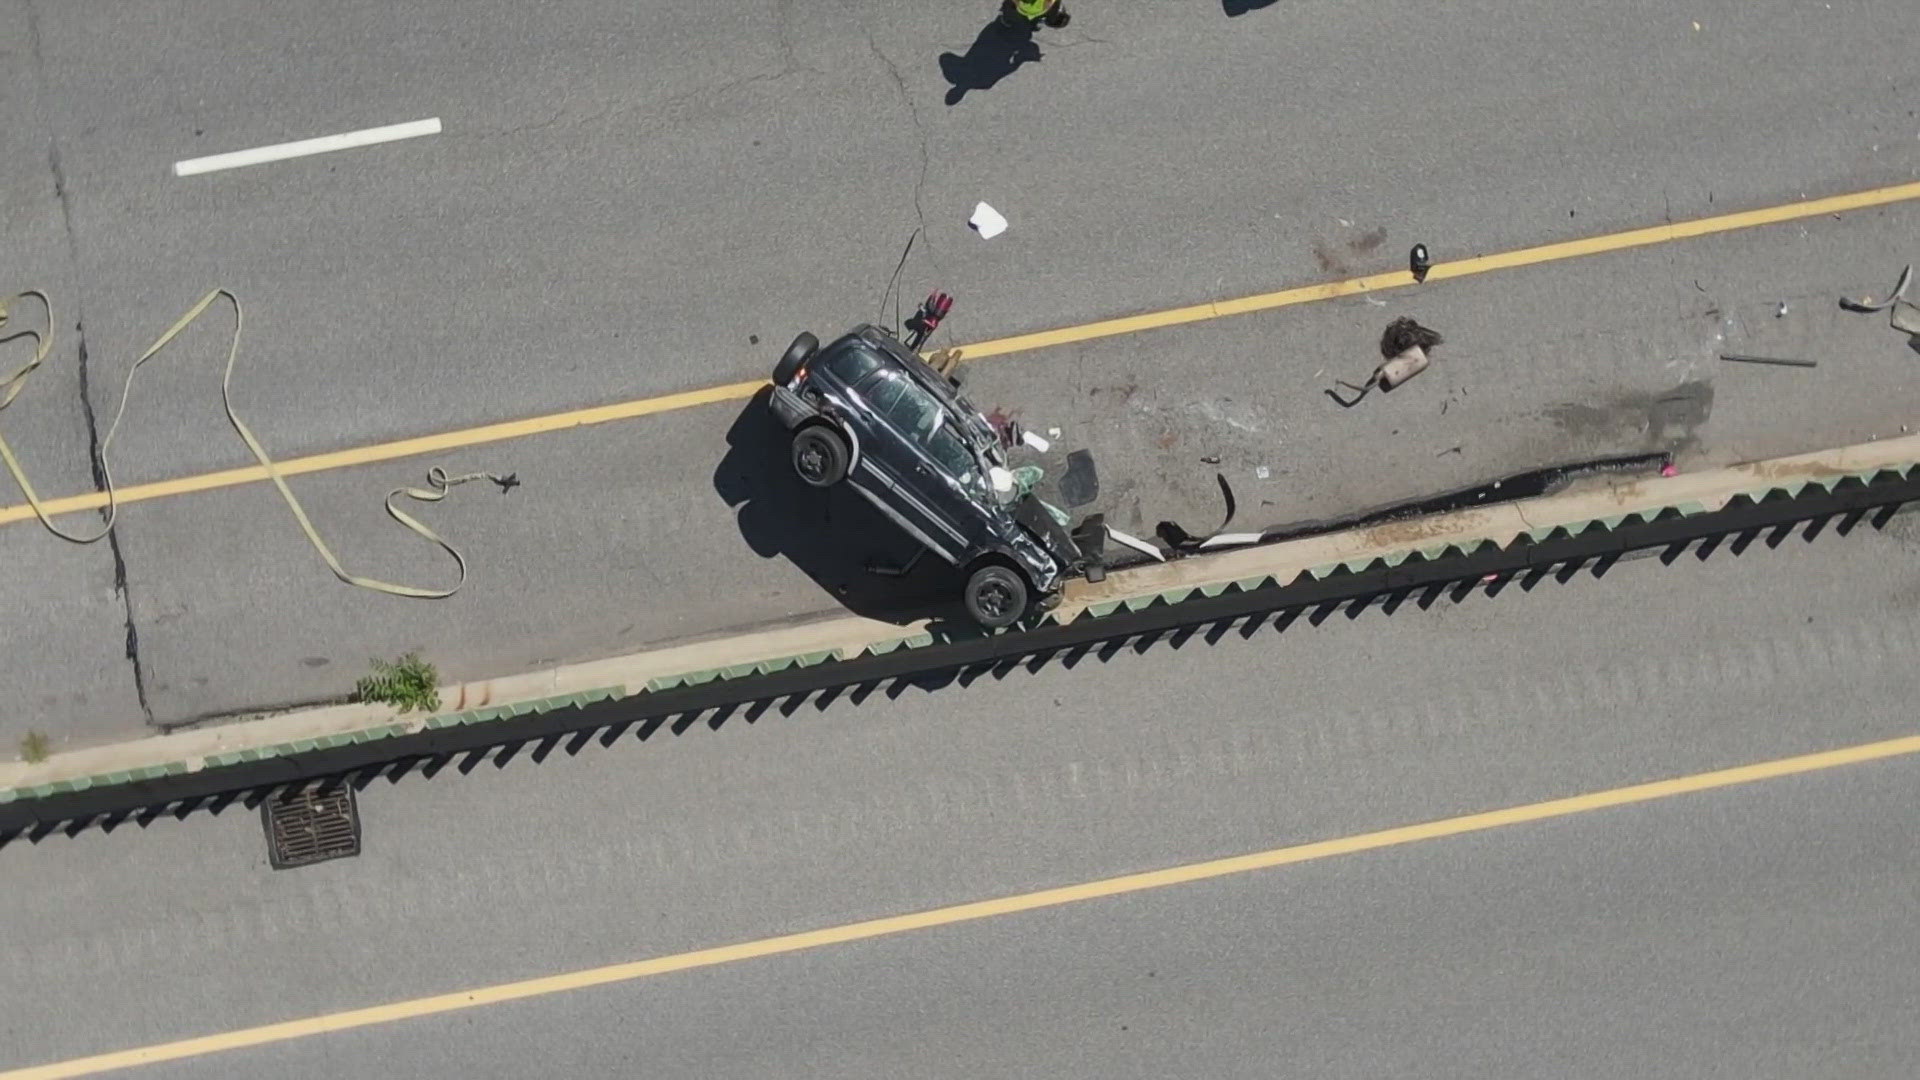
[
  {"x": 1241, "y": 7},
  {"x": 993, "y": 56}
]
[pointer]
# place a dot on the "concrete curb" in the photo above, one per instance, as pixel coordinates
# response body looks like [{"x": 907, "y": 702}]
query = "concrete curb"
[{"x": 759, "y": 654}]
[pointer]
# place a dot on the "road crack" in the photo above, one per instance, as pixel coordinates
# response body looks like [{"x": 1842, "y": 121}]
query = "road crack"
[
  {"x": 63, "y": 197},
  {"x": 920, "y": 134}
]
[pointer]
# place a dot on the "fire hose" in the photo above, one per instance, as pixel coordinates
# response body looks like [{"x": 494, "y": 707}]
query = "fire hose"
[{"x": 439, "y": 484}]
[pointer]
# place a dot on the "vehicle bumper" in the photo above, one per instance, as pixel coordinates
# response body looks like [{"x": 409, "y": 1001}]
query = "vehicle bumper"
[{"x": 791, "y": 408}]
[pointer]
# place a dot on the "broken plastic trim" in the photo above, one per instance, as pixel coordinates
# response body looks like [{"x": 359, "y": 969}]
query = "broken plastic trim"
[
  {"x": 1180, "y": 539},
  {"x": 1867, "y": 305}
]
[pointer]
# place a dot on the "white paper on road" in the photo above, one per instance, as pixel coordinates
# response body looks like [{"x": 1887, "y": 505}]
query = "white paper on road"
[{"x": 987, "y": 221}]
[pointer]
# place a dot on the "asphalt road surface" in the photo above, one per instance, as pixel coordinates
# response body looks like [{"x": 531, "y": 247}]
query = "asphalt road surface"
[
  {"x": 1766, "y": 929},
  {"x": 639, "y": 198}
]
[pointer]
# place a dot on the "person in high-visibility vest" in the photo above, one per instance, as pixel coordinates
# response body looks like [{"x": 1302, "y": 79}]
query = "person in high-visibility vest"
[{"x": 1029, "y": 14}]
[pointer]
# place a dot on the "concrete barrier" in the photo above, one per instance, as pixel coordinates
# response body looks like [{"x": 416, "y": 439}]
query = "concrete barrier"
[{"x": 843, "y": 650}]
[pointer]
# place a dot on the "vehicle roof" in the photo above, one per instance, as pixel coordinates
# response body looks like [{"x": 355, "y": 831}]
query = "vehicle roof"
[{"x": 928, "y": 379}]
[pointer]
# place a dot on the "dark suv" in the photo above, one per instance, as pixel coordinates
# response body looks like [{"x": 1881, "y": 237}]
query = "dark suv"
[{"x": 869, "y": 412}]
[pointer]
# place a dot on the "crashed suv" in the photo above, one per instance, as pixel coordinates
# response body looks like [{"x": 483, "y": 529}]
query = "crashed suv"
[{"x": 868, "y": 412}]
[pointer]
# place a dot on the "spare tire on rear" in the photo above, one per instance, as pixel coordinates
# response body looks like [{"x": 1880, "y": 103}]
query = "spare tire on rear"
[
  {"x": 797, "y": 354},
  {"x": 996, "y": 596}
]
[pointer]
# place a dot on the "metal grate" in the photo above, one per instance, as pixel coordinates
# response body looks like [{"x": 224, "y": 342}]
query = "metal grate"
[{"x": 311, "y": 826}]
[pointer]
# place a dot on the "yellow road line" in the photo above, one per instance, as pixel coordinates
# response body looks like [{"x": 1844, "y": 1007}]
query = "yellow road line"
[
  {"x": 960, "y": 913},
  {"x": 1154, "y": 320}
]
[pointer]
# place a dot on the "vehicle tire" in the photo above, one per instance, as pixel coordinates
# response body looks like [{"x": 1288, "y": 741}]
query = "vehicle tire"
[
  {"x": 820, "y": 455},
  {"x": 798, "y": 353},
  {"x": 996, "y": 596}
]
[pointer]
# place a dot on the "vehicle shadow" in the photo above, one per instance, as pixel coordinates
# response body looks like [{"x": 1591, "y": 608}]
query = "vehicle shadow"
[
  {"x": 996, "y": 53},
  {"x": 833, "y": 535}
]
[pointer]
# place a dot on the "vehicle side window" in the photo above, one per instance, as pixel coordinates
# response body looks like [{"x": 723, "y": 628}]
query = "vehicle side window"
[
  {"x": 914, "y": 412},
  {"x": 881, "y": 390},
  {"x": 852, "y": 364},
  {"x": 951, "y": 453}
]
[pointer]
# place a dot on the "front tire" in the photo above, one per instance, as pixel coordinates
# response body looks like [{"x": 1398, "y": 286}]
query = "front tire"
[
  {"x": 996, "y": 596},
  {"x": 820, "y": 455}
]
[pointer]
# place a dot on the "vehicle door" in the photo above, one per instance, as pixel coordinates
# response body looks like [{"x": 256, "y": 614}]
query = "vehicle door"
[
  {"x": 924, "y": 494},
  {"x": 852, "y": 378}
]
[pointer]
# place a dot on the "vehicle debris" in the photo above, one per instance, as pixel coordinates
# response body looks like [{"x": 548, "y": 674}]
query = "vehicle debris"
[
  {"x": 1867, "y": 305},
  {"x": 1419, "y": 263},
  {"x": 1220, "y": 540},
  {"x": 1129, "y": 540},
  {"x": 1406, "y": 345},
  {"x": 1080, "y": 484},
  {"x": 1778, "y": 361},
  {"x": 1090, "y": 536},
  {"x": 1179, "y": 539}
]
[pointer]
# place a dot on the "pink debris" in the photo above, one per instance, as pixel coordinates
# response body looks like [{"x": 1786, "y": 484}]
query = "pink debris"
[{"x": 1669, "y": 469}]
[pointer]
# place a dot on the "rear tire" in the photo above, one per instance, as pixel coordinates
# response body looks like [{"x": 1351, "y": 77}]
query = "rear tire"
[
  {"x": 820, "y": 455},
  {"x": 795, "y": 357},
  {"x": 996, "y": 596}
]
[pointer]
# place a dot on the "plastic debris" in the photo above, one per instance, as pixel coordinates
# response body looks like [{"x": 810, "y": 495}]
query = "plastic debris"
[
  {"x": 1777, "y": 361},
  {"x": 1035, "y": 441},
  {"x": 1261, "y": 472},
  {"x": 1176, "y": 537},
  {"x": 987, "y": 222},
  {"x": 1080, "y": 484},
  {"x": 1866, "y": 303},
  {"x": 1024, "y": 480},
  {"x": 1134, "y": 542},
  {"x": 1419, "y": 262}
]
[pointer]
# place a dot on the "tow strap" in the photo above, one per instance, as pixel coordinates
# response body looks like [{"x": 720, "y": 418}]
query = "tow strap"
[{"x": 438, "y": 482}]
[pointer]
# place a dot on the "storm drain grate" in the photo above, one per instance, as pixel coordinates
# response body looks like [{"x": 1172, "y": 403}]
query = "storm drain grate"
[{"x": 311, "y": 826}]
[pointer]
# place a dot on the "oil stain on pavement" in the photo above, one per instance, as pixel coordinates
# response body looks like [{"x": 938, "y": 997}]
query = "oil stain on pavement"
[{"x": 1669, "y": 420}]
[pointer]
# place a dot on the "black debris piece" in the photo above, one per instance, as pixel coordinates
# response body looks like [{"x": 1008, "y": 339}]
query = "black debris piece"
[
  {"x": 1172, "y": 535},
  {"x": 1403, "y": 334},
  {"x": 1080, "y": 484}
]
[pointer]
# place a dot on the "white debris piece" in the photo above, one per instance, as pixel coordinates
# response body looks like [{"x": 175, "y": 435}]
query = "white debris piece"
[
  {"x": 987, "y": 221},
  {"x": 1035, "y": 441},
  {"x": 1134, "y": 542},
  {"x": 1220, "y": 540}
]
